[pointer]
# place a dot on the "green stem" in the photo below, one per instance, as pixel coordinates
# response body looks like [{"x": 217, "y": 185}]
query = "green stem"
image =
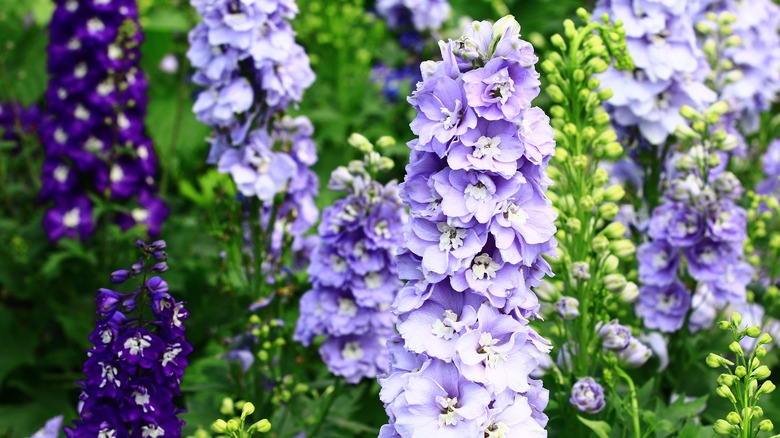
[
  {"x": 634, "y": 402},
  {"x": 326, "y": 409}
]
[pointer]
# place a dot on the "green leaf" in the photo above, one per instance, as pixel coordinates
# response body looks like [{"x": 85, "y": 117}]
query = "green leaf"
[{"x": 601, "y": 428}]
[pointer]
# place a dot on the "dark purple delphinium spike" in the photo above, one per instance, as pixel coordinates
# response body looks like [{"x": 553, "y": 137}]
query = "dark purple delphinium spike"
[
  {"x": 134, "y": 369},
  {"x": 93, "y": 131}
]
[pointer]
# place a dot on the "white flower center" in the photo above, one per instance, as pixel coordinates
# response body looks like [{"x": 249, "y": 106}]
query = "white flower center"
[
  {"x": 116, "y": 174},
  {"x": 504, "y": 86},
  {"x": 105, "y": 88},
  {"x": 381, "y": 228},
  {"x": 347, "y": 307},
  {"x": 373, "y": 280},
  {"x": 515, "y": 214},
  {"x": 107, "y": 433},
  {"x": 487, "y": 146},
  {"x": 108, "y": 374},
  {"x": 486, "y": 343},
  {"x": 93, "y": 144},
  {"x": 80, "y": 71},
  {"x": 451, "y": 238},
  {"x": 114, "y": 52},
  {"x": 74, "y": 44},
  {"x": 141, "y": 399},
  {"x": 484, "y": 266},
  {"x": 94, "y": 25},
  {"x": 170, "y": 354},
  {"x": 61, "y": 173},
  {"x": 143, "y": 153},
  {"x": 448, "y": 416},
  {"x": 72, "y": 218},
  {"x": 81, "y": 113},
  {"x": 136, "y": 344},
  {"x": 152, "y": 431},
  {"x": 60, "y": 136},
  {"x": 478, "y": 192},
  {"x": 122, "y": 121},
  {"x": 140, "y": 214},
  {"x": 499, "y": 430},
  {"x": 338, "y": 264},
  {"x": 660, "y": 260},
  {"x": 443, "y": 327},
  {"x": 352, "y": 351}
]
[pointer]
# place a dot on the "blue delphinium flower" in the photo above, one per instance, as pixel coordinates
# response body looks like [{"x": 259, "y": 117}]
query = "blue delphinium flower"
[
  {"x": 252, "y": 69},
  {"x": 700, "y": 223},
  {"x": 93, "y": 131},
  {"x": 135, "y": 367},
  {"x": 480, "y": 223},
  {"x": 670, "y": 68},
  {"x": 51, "y": 429},
  {"x": 353, "y": 273}
]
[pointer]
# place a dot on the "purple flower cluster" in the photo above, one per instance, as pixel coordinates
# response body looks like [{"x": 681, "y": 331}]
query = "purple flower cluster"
[
  {"x": 480, "y": 223},
  {"x": 756, "y": 59},
  {"x": 670, "y": 69},
  {"x": 134, "y": 369},
  {"x": 422, "y": 15},
  {"x": 93, "y": 133},
  {"x": 353, "y": 275},
  {"x": 16, "y": 120},
  {"x": 771, "y": 167},
  {"x": 698, "y": 222},
  {"x": 247, "y": 58},
  {"x": 619, "y": 339}
]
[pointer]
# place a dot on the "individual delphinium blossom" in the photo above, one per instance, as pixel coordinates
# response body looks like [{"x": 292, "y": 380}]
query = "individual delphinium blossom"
[
  {"x": 591, "y": 239},
  {"x": 742, "y": 36},
  {"x": 587, "y": 396},
  {"x": 353, "y": 271},
  {"x": 480, "y": 225},
  {"x": 669, "y": 68},
  {"x": 93, "y": 129},
  {"x": 139, "y": 354},
  {"x": 697, "y": 233},
  {"x": 741, "y": 383},
  {"x": 246, "y": 57}
]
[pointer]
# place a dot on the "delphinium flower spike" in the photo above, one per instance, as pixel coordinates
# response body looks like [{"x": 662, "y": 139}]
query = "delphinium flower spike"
[
  {"x": 252, "y": 69},
  {"x": 479, "y": 225},
  {"x": 135, "y": 367},
  {"x": 353, "y": 273},
  {"x": 93, "y": 131}
]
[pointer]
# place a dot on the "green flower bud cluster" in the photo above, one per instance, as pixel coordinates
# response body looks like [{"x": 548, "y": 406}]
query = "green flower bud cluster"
[
  {"x": 373, "y": 161},
  {"x": 744, "y": 382},
  {"x": 763, "y": 237},
  {"x": 716, "y": 34},
  {"x": 237, "y": 425}
]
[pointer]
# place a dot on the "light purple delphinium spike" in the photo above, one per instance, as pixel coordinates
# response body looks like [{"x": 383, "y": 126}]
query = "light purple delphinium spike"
[{"x": 480, "y": 223}]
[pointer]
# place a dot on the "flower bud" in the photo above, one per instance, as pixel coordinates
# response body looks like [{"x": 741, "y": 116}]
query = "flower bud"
[
  {"x": 613, "y": 150},
  {"x": 504, "y": 23},
  {"x": 615, "y": 230},
  {"x": 688, "y": 112},
  {"x": 261, "y": 426},
  {"x": 247, "y": 410},
  {"x": 733, "y": 418},
  {"x": 622, "y": 248},
  {"x": 586, "y": 203},
  {"x": 722, "y": 427},
  {"x": 227, "y": 406},
  {"x": 219, "y": 426},
  {"x": 614, "y": 193},
  {"x": 765, "y": 339},
  {"x": 614, "y": 283},
  {"x": 385, "y": 141},
  {"x": 120, "y": 276},
  {"x": 724, "y": 325},
  {"x": 761, "y": 373},
  {"x": 611, "y": 263},
  {"x": 726, "y": 393},
  {"x": 736, "y": 348},
  {"x": 740, "y": 371},
  {"x": 558, "y": 42},
  {"x": 609, "y": 211},
  {"x": 753, "y": 331},
  {"x": 600, "y": 244},
  {"x": 766, "y": 388},
  {"x": 630, "y": 293},
  {"x": 726, "y": 379},
  {"x": 359, "y": 142},
  {"x": 600, "y": 177},
  {"x": 760, "y": 352},
  {"x": 736, "y": 319},
  {"x": 766, "y": 426},
  {"x": 233, "y": 425},
  {"x": 605, "y": 94}
]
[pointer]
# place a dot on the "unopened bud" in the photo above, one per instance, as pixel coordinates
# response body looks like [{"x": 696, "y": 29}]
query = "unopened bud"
[
  {"x": 761, "y": 373},
  {"x": 725, "y": 392},
  {"x": 360, "y": 142},
  {"x": 722, "y": 427},
  {"x": 630, "y": 293},
  {"x": 615, "y": 230},
  {"x": 733, "y": 418},
  {"x": 766, "y": 388},
  {"x": 219, "y": 426},
  {"x": 247, "y": 410},
  {"x": 614, "y": 283},
  {"x": 261, "y": 426},
  {"x": 233, "y": 425},
  {"x": 766, "y": 426}
]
